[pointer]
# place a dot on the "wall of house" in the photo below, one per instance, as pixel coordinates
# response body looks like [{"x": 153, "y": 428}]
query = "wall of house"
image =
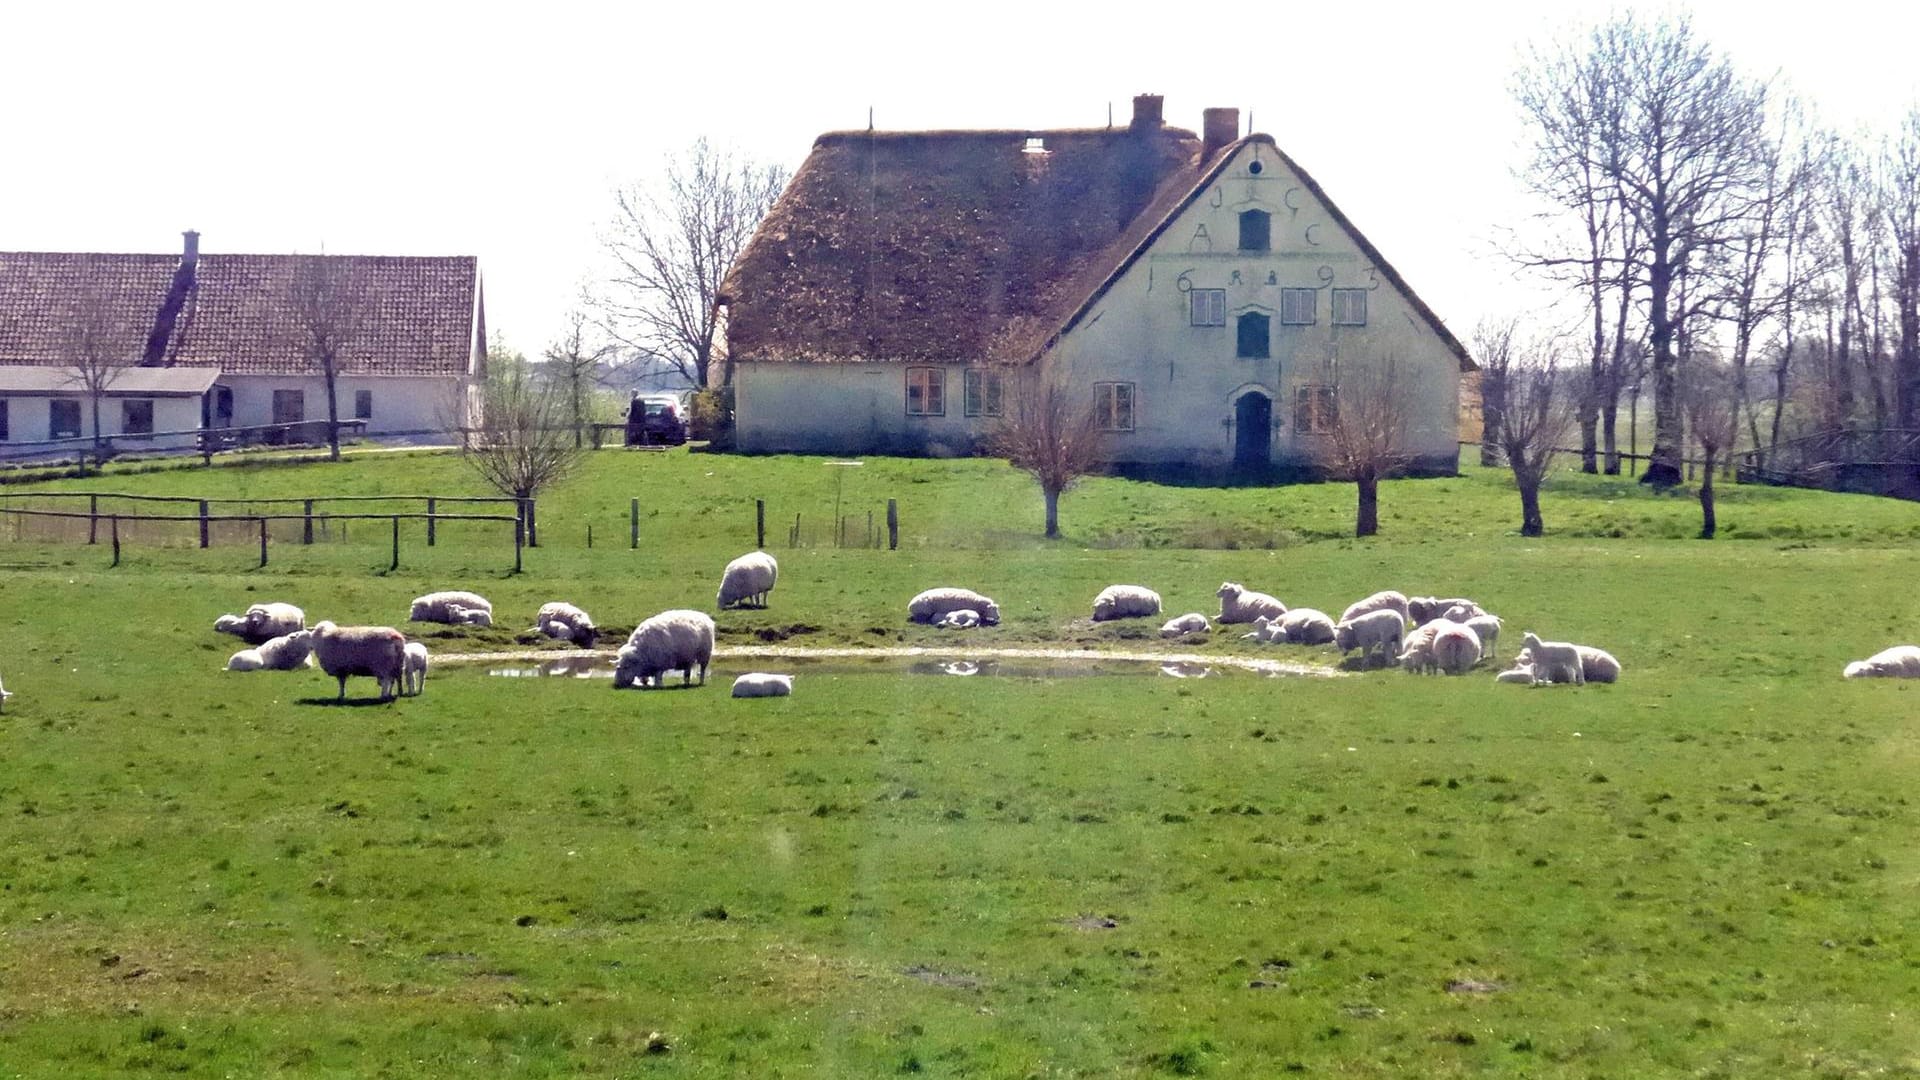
[
  {"x": 29, "y": 417},
  {"x": 850, "y": 409},
  {"x": 1188, "y": 378},
  {"x": 400, "y": 402}
]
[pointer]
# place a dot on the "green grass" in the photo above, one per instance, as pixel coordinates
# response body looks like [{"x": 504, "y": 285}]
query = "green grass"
[{"x": 1706, "y": 870}]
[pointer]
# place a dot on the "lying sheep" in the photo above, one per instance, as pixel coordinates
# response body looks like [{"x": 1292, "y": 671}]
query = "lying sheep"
[
  {"x": 1554, "y": 661},
  {"x": 1463, "y": 611},
  {"x": 1598, "y": 665},
  {"x": 1125, "y": 602},
  {"x": 413, "y": 673},
  {"x": 1484, "y": 627},
  {"x": 1239, "y": 604},
  {"x": 565, "y": 622},
  {"x": 761, "y": 684},
  {"x": 246, "y": 660},
  {"x": 439, "y": 607},
  {"x": 1266, "y": 631},
  {"x": 230, "y": 624},
  {"x": 1375, "y": 631},
  {"x": 271, "y": 620},
  {"x": 1520, "y": 673},
  {"x": 1192, "y": 622},
  {"x": 461, "y": 615},
  {"x": 1385, "y": 600},
  {"x": 748, "y": 579},
  {"x": 932, "y": 604},
  {"x": 1306, "y": 626},
  {"x": 1898, "y": 662},
  {"x": 964, "y": 619},
  {"x": 1422, "y": 610},
  {"x": 1455, "y": 649},
  {"x": 286, "y": 653},
  {"x": 375, "y": 651},
  {"x": 678, "y": 640}
]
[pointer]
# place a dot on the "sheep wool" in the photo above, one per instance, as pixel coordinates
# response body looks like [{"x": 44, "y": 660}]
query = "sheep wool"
[
  {"x": 1898, "y": 662},
  {"x": 934, "y": 603},
  {"x": 1522, "y": 673},
  {"x": 461, "y": 615},
  {"x": 1193, "y": 622},
  {"x": 378, "y": 652},
  {"x": 1455, "y": 649},
  {"x": 1598, "y": 665},
  {"x": 747, "y": 580},
  {"x": 677, "y": 640},
  {"x": 439, "y": 606},
  {"x": 1385, "y": 600},
  {"x": 246, "y": 660},
  {"x": 1375, "y": 631},
  {"x": 762, "y": 684},
  {"x": 565, "y": 622},
  {"x": 230, "y": 624},
  {"x": 1239, "y": 604},
  {"x": 1487, "y": 629},
  {"x": 1554, "y": 661},
  {"x": 964, "y": 619},
  {"x": 288, "y": 652},
  {"x": 271, "y": 620},
  {"x": 1125, "y": 602},
  {"x": 1425, "y": 609},
  {"x": 1306, "y": 626},
  {"x": 413, "y": 671}
]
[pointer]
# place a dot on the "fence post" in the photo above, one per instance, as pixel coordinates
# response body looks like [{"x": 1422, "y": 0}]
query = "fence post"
[
  {"x": 589, "y": 536},
  {"x": 893, "y": 525},
  {"x": 869, "y": 542},
  {"x": 519, "y": 541},
  {"x": 431, "y": 501},
  {"x": 93, "y": 519},
  {"x": 533, "y": 522},
  {"x": 396, "y": 543},
  {"x": 760, "y": 524},
  {"x": 793, "y": 538},
  {"x": 306, "y": 531},
  {"x": 114, "y": 524},
  {"x": 203, "y": 523},
  {"x": 263, "y": 541},
  {"x": 634, "y": 517}
]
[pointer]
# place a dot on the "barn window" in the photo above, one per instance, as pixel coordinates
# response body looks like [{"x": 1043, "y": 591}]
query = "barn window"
[
  {"x": 1313, "y": 410},
  {"x": 3, "y": 421},
  {"x": 1349, "y": 307},
  {"x": 983, "y": 393},
  {"x": 1254, "y": 334},
  {"x": 363, "y": 404},
  {"x": 1299, "y": 307},
  {"x": 1207, "y": 307},
  {"x": 63, "y": 419},
  {"x": 1113, "y": 406},
  {"x": 289, "y": 406},
  {"x": 136, "y": 416},
  {"x": 1256, "y": 230},
  {"x": 926, "y": 392}
]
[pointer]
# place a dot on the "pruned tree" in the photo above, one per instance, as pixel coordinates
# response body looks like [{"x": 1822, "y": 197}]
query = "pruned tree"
[
  {"x": 670, "y": 250},
  {"x": 329, "y": 310},
  {"x": 96, "y": 341},
  {"x": 520, "y": 443},
  {"x": 1493, "y": 347},
  {"x": 1052, "y": 437},
  {"x": 1368, "y": 437},
  {"x": 1712, "y": 412},
  {"x": 573, "y": 362},
  {"x": 1542, "y": 398}
]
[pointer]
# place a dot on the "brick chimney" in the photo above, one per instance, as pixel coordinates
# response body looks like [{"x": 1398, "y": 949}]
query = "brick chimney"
[
  {"x": 1146, "y": 112},
  {"x": 1219, "y": 127},
  {"x": 190, "y": 248}
]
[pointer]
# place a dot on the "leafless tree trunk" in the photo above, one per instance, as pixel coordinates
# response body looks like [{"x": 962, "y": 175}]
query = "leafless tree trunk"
[
  {"x": 573, "y": 362},
  {"x": 520, "y": 442},
  {"x": 671, "y": 248},
  {"x": 1845, "y": 188},
  {"x": 329, "y": 311},
  {"x": 98, "y": 345},
  {"x": 1493, "y": 345},
  {"x": 1712, "y": 408},
  {"x": 1369, "y": 436},
  {"x": 1051, "y": 436},
  {"x": 1541, "y": 407},
  {"x": 1901, "y": 172}
]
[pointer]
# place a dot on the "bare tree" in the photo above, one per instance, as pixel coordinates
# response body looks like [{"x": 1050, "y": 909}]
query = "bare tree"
[
  {"x": 1712, "y": 411},
  {"x": 96, "y": 342},
  {"x": 1052, "y": 438},
  {"x": 672, "y": 249},
  {"x": 573, "y": 362},
  {"x": 1493, "y": 346},
  {"x": 1901, "y": 172},
  {"x": 520, "y": 443},
  {"x": 329, "y": 310},
  {"x": 1368, "y": 436}
]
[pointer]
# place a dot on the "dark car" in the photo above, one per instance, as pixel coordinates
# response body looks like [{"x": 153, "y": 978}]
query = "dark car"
[{"x": 659, "y": 422}]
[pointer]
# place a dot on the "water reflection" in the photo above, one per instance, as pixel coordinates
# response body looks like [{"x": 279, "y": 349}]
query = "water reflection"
[{"x": 601, "y": 667}]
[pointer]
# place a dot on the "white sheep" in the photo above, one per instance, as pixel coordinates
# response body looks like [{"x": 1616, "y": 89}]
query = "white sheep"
[
  {"x": 1125, "y": 602},
  {"x": 1193, "y": 622},
  {"x": 1306, "y": 626},
  {"x": 1424, "y": 609},
  {"x": 677, "y": 640},
  {"x": 963, "y": 619},
  {"x": 762, "y": 684},
  {"x": 1898, "y": 662},
  {"x": 288, "y": 652},
  {"x": 932, "y": 604},
  {"x": 747, "y": 580},
  {"x": 413, "y": 673},
  {"x": 1266, "y": 631},
  {"x": 1484, "y": 627},
  {"x": 439, "y": 607},
  {"x": 1385, "y": 600},
  {"x": 375, "y": 651},
  {"x": 1455, "y": 649},
  {"x": 1239, "y": 604},
  {"x": 1598, "y": 665},
  {"x": 1554, "y": 661},
  {"x": 1463, "y": 612},
  {"x": 1416, "y": 648},
  {"x": 565, "y": 622},
  {"x": 271, "y": 620},
  {"x": 246, "y": 660},
  {"x": 1520, "y": 673},
  {"x": 461, "y": 615},
  {"x": 1375, "y": 631},
  {"x": 230, "y": 624}
]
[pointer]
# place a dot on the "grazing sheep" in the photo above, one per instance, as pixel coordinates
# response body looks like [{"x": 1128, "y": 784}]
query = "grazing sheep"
[
  {"x": 964, "y": 619},
  {"x": 439, "y": 607},
  {"x": 1125, "y": 602},
  {"x": 1385, "y": 600},
  {"x": 1239, "y": 604},
  {"x": 1455, "y": 649},
  {"x": 1376, "y": 631},
  {"x": 1898, "y": 662},
  {"x": 1598, "y": 665},
  {"x": 932, "y": 604},
  {"x": 1307, "y": 626},
  {"x": 413, "y": 674},
  {"x": 1520, "y": 673},
  {"x": 375, "y": 651},
  {"x": 748, "y": 579},
  {"x": 268, "y": 621},
  {"x": 1192, "y": 622},
  {"x": 1554, "y": 661},
  {"x": 1486, "y": 628},
  {"x": 565, "y": 622},
  {"x": 678, "y": 640},
  {"x": 761, "y": 684}
]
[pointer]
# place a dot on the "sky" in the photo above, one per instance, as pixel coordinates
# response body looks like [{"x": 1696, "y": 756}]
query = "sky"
[{"x": 501, "y": 131}]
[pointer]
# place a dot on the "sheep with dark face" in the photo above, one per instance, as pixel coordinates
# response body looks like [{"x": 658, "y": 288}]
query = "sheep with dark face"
[{"x": 378, "y": 652}]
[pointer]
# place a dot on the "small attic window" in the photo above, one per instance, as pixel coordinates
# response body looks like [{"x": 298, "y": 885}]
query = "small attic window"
[
  {"x": 1254, "y": 168},
  {"x": 1035, "y": 145}
]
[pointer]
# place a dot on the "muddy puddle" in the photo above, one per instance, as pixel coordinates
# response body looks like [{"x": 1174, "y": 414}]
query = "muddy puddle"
[{"x": 1002, "y": 663}]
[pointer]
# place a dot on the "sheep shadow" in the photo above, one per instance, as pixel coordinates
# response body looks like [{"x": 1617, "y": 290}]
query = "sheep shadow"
[{"x": 349, "y": 703}]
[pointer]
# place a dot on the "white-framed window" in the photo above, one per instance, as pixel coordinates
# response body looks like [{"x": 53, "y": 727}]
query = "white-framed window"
[
  {"x": 984, "y": 393},
  {"x": 926, "y": 391},
  {"x": 1113, "y": 406},
  {"x": 1207, "y": 307},
  {"x": 1252, "y": 340},
  {"x": 1299, "y": 307},
  {"x": 63, "y": 418},
  {"x": 136, "y": 416},
  {"x": 1349, "y": 307},
  {"x": 363, "y": 404},
  {"x": 1313, "y": 410}
]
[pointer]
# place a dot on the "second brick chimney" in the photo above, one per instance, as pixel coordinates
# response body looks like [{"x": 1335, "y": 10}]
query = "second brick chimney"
[{"x": 1220, "y": 127}]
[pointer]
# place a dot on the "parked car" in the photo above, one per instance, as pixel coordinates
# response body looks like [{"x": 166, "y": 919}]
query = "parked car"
[{"x": 656, "y": 419}]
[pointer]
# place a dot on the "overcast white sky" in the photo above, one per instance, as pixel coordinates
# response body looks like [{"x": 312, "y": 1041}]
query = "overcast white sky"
[{"x": 498, "y": 130}]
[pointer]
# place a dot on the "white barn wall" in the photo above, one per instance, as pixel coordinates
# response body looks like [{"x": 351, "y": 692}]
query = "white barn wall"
[
  {"x": 857, "y": 408},
  {"x": 400, "y": 402},
  {"x": 29, "y": 417}
]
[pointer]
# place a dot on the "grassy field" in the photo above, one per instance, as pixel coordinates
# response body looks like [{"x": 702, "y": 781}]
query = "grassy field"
[{"x": 1706, "y": 870}]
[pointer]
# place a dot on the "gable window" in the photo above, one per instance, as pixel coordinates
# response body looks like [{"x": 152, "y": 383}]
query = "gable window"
[
  {"x": 1299, "y": 307},
  {"x": 1253, "y": 335},
  {"x": 1313, "y": 410},
  {"x": 984, "y": 392},
  {"x": 1349, "y": 307},
  {"x": 63, "y": 419},
  {"x": 1256, "y": 230},
  {"x": 926, "y": 391},
  {"x": 1113, "y": 406},
  {"x": 1208, "y": 307},
  {"x": 3, "y": 421},
  {"x": 363, "y": 404},
  {"x": 136, "y": 416}
]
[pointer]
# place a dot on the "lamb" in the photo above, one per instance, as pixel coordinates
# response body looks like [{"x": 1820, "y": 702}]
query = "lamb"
[
  {"x": 1306, "y": 626},
  {"x": 964, "y": 619},
  {"x": 1899, "y": 662},
  {"x": 1239, "y": 604},
  {"x": 1484, "y": 627},
  {"x": 1125, "y": 602},
  {"x": 376, "y": 651},
  {"x": 246, "y": 660},
  {"x": 1266, "y": 631},
  {"x": 461, "y": 615},
  {"x": 1385, "y": 600},
  {"x": 747, "y": 580},
  {"x": 1520, "y": 673},
  {"x": 438, "y": 607},
  {"x": 1554, "y": 661},
  {"x": 1455, "y": 649},
  {"x": 1193, "y": 622},
  {"x": 1374, "y": 631},
  {"x": 414, "y": 671},
  {"x": 932, "y": 604},
  {"x": 761, "y": 684},
  {"x": 677, "y": 640},
  {"x": 565, "y": 622}
]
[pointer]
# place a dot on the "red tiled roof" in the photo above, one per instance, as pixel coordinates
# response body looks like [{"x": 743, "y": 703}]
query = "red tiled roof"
[{"x": 412, "y": 315}]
